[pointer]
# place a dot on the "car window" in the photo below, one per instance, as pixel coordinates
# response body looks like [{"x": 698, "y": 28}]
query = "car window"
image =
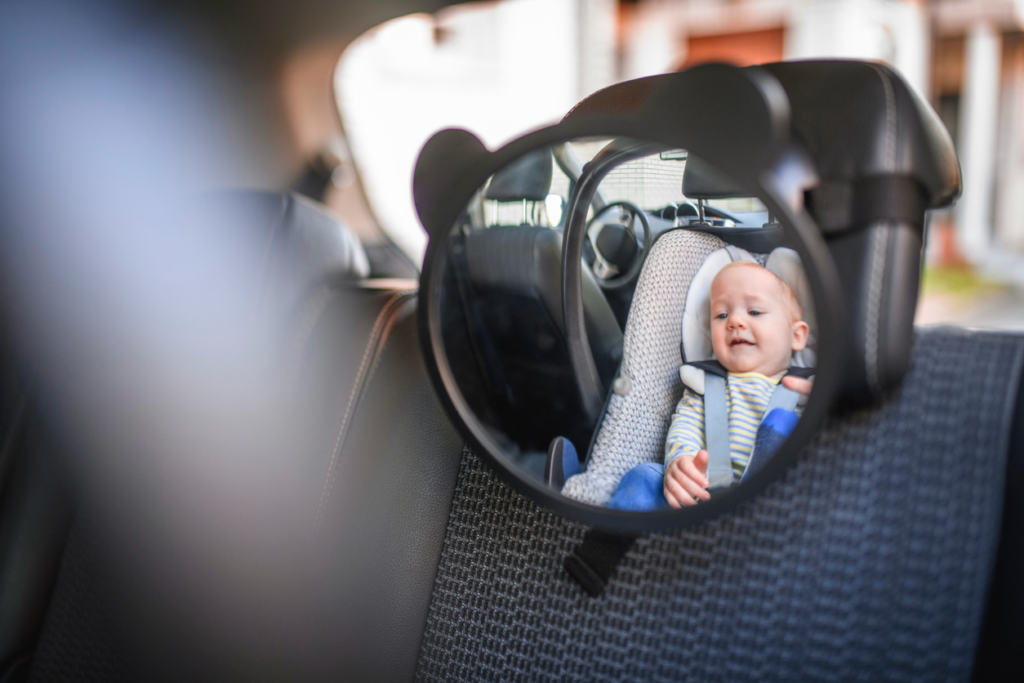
[{"x": 469, "y": 67}]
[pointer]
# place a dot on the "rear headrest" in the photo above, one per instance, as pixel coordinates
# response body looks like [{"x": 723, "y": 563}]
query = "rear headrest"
[
  {"x": 527, "y": 178},
  {"x": 701, "y": 180},
  {"x": 860, "y": 119},
  {"x": 883, "y": 158},
  {"x": 306, "y": 242},
  {"x": 784, "y": 263}
]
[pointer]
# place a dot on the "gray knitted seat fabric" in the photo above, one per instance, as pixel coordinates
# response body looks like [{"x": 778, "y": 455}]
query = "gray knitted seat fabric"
[
  {"x": 868, "y": 561},
  {"x": 635, "y": 425}
]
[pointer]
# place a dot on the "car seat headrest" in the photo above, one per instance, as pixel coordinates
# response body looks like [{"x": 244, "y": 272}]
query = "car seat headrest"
[
  {"x": 701, "y": 180},
  {"x": 527, "y": 178},
  {"x": 784, "y": 263}
]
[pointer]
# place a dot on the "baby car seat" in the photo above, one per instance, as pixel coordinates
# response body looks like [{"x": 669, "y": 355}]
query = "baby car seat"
[{"x": 668, "y": 324}]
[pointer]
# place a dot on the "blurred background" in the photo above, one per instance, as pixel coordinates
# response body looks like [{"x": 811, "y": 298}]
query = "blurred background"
[{"x": 503, "y": 68}]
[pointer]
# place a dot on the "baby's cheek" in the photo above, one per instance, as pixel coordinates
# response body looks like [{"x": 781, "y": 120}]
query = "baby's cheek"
[{"x": 718, "y": 342}]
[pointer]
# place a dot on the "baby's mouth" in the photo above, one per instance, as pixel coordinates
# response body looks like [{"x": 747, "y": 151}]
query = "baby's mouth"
[{"x": 738, "y": 342}]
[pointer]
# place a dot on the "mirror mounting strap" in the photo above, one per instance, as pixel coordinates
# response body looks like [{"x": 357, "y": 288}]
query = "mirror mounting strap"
[
  {"x": 841, "y": 205},
  {"x": 594, "y": 560}
]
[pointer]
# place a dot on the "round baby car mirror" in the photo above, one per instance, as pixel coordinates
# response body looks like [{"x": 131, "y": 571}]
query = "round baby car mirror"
[{"x": 631, "y": 316}]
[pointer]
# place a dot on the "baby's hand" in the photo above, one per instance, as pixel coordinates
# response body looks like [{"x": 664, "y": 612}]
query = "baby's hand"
[
  {"x": 686, "y": 480},
  {"x": 798, "y": 384}
]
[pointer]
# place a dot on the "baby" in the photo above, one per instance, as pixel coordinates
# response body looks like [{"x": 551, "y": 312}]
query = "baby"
[{"x": 756, "y": 326}]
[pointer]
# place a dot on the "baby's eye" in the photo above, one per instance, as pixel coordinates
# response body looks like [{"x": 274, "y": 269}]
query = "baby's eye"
[
  {"x": 721, "y": 316},
  {"x": 754, "y": 312}
]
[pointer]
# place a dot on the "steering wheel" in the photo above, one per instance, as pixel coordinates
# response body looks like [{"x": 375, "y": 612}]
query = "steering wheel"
[{"x": 617, "y": 259}]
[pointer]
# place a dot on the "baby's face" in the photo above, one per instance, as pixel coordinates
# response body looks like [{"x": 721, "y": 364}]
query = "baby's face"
[{"x": 752, "y": 326}]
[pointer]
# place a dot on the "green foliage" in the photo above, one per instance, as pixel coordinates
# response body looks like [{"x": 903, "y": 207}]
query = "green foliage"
[{"x": 960, "y": 281}]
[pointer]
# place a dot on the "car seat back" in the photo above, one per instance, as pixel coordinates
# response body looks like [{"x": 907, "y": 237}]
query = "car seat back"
[
  {"x": 869, "y": 560},
  {"x": 353, "y": 359},
  {"x": 509, "y": 282}
]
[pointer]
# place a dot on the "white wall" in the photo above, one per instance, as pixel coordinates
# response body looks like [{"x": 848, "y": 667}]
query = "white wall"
[
  {"x": 979, "y": 110},
  {"x": 889, "y": 30},
  {"x": 1009, "y": 209},
  {"x": 893, "y": 32}
]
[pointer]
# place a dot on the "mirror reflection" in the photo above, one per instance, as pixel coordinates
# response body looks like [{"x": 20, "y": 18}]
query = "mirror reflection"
[{"x": 698, "y": 320}]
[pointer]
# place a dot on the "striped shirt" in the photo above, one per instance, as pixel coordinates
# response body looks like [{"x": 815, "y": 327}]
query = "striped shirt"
[{"x": 747, "y": 396}]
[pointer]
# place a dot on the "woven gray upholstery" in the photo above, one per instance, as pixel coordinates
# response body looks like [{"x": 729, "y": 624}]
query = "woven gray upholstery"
[
  {"x": 868, "y": 561},
  {"x": 635, "y": 425}
]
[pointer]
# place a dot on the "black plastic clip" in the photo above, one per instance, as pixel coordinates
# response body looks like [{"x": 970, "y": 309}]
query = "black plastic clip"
[{"x": 594, "y": 560}]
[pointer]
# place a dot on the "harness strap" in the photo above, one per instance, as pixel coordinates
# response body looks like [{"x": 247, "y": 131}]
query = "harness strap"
[
  {"x": 716, "y": 432},
  {"x": 782, "y": 397},
  {"x": 840, "y": 205},
  {"x": 716, "y": 425},
  {"x": 594, "y": 560},
  {"x": 734, "y": 252}
]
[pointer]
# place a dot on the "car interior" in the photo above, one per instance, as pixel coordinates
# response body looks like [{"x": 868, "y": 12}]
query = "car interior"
[{"x": 887, "y": 548}]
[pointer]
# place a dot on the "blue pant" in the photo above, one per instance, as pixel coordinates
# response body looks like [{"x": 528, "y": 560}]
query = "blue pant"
[{"x": 641, "y": 489}]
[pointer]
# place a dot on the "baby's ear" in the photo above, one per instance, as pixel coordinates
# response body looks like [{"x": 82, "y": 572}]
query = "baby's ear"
[{"x": 800, "y": 332}]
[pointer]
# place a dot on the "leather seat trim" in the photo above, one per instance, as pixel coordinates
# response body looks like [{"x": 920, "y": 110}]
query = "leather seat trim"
[
  {"x": 879, "y": 247},
  {"x": 378, "y": 337},
  {"x": 307, "y": 318},
  {"x": 879, "y": 244}
]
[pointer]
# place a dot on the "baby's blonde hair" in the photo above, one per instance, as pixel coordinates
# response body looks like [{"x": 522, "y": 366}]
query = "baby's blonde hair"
[{"x": 785, "y": 291}]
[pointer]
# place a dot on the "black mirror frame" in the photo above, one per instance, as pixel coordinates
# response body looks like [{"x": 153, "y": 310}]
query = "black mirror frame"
[{"x": 737, "y": 119}]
